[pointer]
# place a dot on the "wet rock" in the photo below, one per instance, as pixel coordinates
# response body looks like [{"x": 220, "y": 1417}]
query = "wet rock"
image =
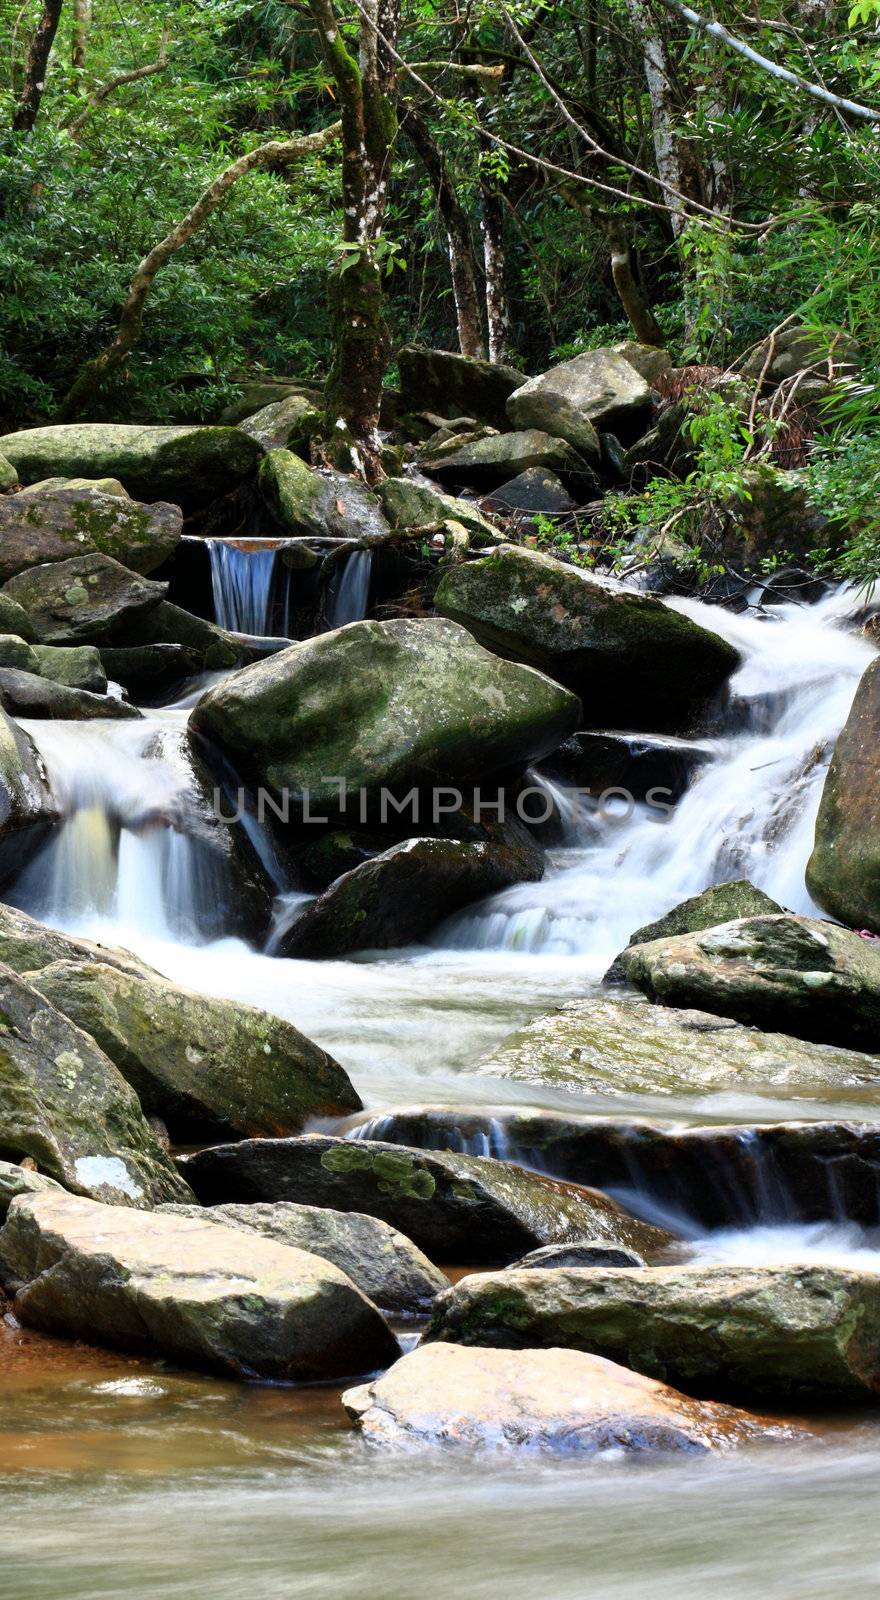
[
  {"x": 26, "y": 944},
  {"x": 385, "y": 1265},
  {"x": 23, "y": 694},
  {"x": 382, "y": 705},
  {"x": 454, "y": 385},
  {"x": 770, "y": 1333},
  {"x": 456, "y": 1208},
  {"x": 212, "y": 648},
  {"x": 77, "y": 666},
  {"x": 812, "y": 979},
  {"x": 843, "y": 873},
  {"x": 631, "y": 659},
  {"x": 639, "y": 763},
  {"x": 185, "y": 464},
  {"x": 598, "y": 390},
  {"x": 205, "y": 1296},
  {"x": 209, "y": 1068},
  {"x": 60, "y": 523},
  {"x": 576, "y": 1255},
  {"x": 722, "y": 902},
  {"x": 24, "y": 1180},
  {"x": 412, "y": 504},
  {"x": 399, "y": 896},
  {"x": 147, "y": 671},
  {"x": 28, "y": 810},
  {"x": 487, "y": 462},
  {"x": 624, "y": 1047},
  {"x": 89, "y": 599},
  {"x": 537, "y": 490},
  {"x": 63, "y": 1102},
  {"x": 286, "y": 424},
  {"x": 559, "y": 1402}
]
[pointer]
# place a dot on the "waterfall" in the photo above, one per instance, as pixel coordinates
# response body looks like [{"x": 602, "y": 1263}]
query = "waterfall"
[
  {"x": 749, "y": 814},
  {"x": 350, "y": 590},
  {"x": 242, "y": 573}
]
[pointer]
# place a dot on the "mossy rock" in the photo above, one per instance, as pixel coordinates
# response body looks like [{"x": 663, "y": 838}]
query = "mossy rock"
[
  {"x": 843, "y": 873},
  {"x": 186, "y": 464},
  {"x": 60, "y": 523},
  {"x": 88, "y": 599},
  {"x": 77, "y": 666},
  {"x": 412, "y": 505},
  {"x": 722, "y": 902}
]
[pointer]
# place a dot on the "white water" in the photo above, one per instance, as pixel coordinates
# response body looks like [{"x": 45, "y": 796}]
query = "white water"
[
  {"x": 241, "y": 582},
  {"x": 350, "y": 590}
]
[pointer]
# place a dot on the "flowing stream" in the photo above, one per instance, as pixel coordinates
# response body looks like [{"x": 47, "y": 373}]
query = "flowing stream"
[{"x": 122, "y": 1477}]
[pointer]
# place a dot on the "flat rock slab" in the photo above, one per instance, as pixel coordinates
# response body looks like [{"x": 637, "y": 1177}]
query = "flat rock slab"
[
  {"x": 388, "y": 1267},
  {"x": 207, "y": 1296},
  {"x": 459, "y": 1209},
  {"x": 780, "y": 1333},
  {"x": 558, "y": 1402},
  {"x": 625, "y": 1047}
]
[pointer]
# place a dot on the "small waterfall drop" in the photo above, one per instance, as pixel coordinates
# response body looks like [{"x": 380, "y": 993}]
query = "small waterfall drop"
[
  {"x": 242, "y": 573},
  {"x": 350, "y": 590}
]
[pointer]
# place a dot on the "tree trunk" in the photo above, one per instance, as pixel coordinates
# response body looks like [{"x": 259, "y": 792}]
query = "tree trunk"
[
  {"x": 458, "y": 234},
  {"x": 35, "y": 72},
  {"x": 278, "y": 153},
  {"x": 678, "y": 163},
  {"x": 641, "y": 318},
  {"x": 497, "y": 305},
  {"x": 366, "y": 90},
  {"x": 82, "y": 20}
]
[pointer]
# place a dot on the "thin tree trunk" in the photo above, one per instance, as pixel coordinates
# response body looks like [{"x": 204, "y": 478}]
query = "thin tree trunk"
[
  {"x": 678, "y": 164},
  {"x": 641, "y": 318},
  {"x": 278, "y": 153},
  {"x": 494, "y": 260},
  {"x": 37, "y": 62},
  {"x": 458, "y": 234},
  {"x": 82, "y": 21}
]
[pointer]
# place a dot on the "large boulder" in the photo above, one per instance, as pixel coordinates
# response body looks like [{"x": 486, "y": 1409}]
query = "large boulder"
[
  {"x": 14, "y": 620},
  {"x": 843, "y": 873},
  {"x": 556, "y": 1402},
  {"x": 149, "y": 672},
  {"x": 803, "y": 977},
  {"x": 485, "y": 462},
  {"x": 535, "y": 492},
  {"x": 60, "y": 523},
  {"x": 399, "y": 896},
  {"x": 209, "y": 1068},
  {"x": 382, "y": 705},
  {"x": 202, "y": 1295},
  {"x": 413, "y": 503},
  {"x": 779, "y": 1333},
  {"x": 453, "y": 385},
  {"x": 721, "y": 902},
  {"x": 599, "y": 390},
  {"x": 25, "y": 694},
  {"x": 63, "y": 1103},
  {"x": 88, "y": 599},
  {"x": 28, "y": 810},
  {"x": 167, "y": 626},
  {"x": 457, "y": 1208},
  {"x": 306, "y": 503},
  {"x": 385, "y": 1265},
  {"x": 632, "y": 660},
  {"x": 188, "y": 465},
  {"x": 625, "y": 1047}
]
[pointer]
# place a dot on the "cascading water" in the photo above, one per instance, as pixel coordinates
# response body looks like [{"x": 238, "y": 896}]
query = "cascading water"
[
  {"x": 242, "y": 573},
  {"x": 350, "y": 590},
  {"x": 750, "y": 813}
]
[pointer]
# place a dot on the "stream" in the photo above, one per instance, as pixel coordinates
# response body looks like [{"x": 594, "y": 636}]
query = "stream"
[{"x": 123, "y": 1477}]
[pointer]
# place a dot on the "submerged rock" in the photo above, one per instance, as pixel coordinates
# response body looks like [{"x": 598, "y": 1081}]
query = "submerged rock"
[
  {"x": 63, "y": 1102},
  {"x": 382, "y": 705},
  {"x": 598, "y": 390},
  {"x": 24, "y": 694},
  {"x": 454, "y": 385},
  {"x": 462, "y": 1209},
  {"x": 187, "y": 464},
  {"x": 59, "y": 523},
  {"x": 777, "y": 1333},
  {"x": 203, "y": 1295},
  {"x": 723, "y": 902},
  {"x": 89, "y": 599},
  {"x": 624, "y": 1047},
  {"x": 808, "y": 978},
  {"x": 208, "y": 1067},
  {"x": 388, "y": 1267},
  {"x": 628, "y": 656},
  {"x": 843, "y": 872},
  {"x": 560, "y": 1402}
]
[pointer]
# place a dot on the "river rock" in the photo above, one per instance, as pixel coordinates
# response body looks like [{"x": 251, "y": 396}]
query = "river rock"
[
  {"x": 843, "y": 873},
  {"x": 462, "y": 1209},
  {"x": 23, "y": 694},
  {"x": 14, "y": 620},
  {"x": 149, "y": 671},
  {"x": 638, "y": 763},
  {"x": 624, "y": 1047},
  {"x": 722, "y": 902},
  {"x": 306, "y": 503},
  {"x": 28, "y": 809},
  {"x": 188, "y": 465},
  {"x": 63, "y": 1102},
  {"x": 212, "y": 648},
  {"x": 382, "y": 705},
  {"x": 24, "y": 1180},
  {"x": 17, "y": 654},
  {"x": 60, "y": 523},
  {"x": 286, "y": 424},
  {"x": 397, "y": 897},
  {"x": 8, "y": 476},
  {"x": 413, "y": 503},
  {"x": 535, "y": 491},
  {"x": 777, "y": 1333},
  {"x": 489, "y": 461},
  {"x": 385, "y": 1265},
  {"x": 455, "y": 385},
  {"x": 556, "y": 1402},
  {"x": 26, "y": 945},
  {"x": 598, "y": 390},
  {"x": 810, "y": 978},
  {"x": 89, "y": 485},
  {"x": 77, "y": 666},
  {"x": 88, "y": 599},
  {"x": 631, "y": 659},
  {"x": 203, "y": 1295},
  {"x": 586, "y": 1254}
]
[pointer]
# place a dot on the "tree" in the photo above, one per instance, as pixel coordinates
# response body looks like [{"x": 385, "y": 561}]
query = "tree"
[{"x": 28, "y": 107}]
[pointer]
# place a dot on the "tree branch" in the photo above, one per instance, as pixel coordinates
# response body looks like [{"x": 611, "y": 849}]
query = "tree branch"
[{"x": 100, "y": 94}]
